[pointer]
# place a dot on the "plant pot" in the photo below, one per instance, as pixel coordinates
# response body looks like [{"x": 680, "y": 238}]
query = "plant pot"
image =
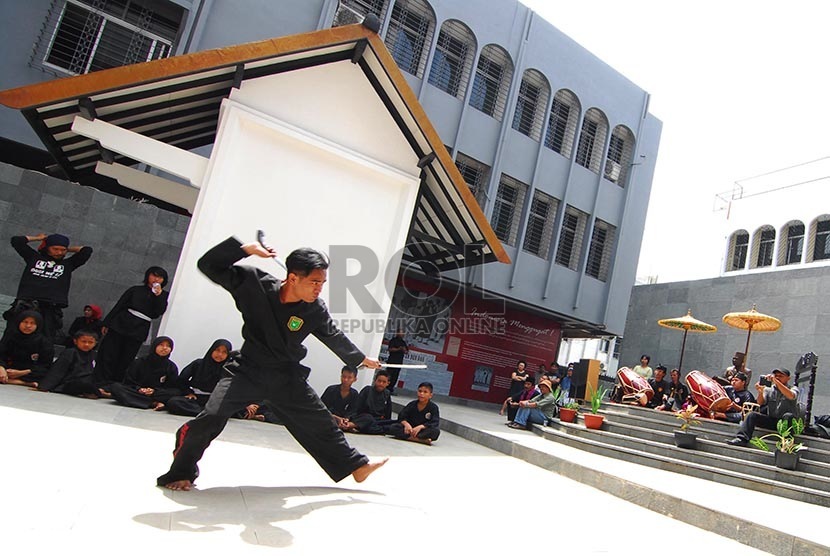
[
  {"x": 784, "y": 460},
  {"x": 683, "y": 439},
  {"x": 593, "y": 420},
  {"x": 567, "y": 415}
]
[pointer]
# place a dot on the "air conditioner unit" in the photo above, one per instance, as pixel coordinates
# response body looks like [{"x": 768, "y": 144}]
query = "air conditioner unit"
[
  {"x": 346, "y": 16},
  {"x": 612, "y": 170}
]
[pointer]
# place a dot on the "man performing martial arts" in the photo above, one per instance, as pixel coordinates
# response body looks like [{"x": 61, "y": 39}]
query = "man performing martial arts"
[{"x": 277, "y": 317}]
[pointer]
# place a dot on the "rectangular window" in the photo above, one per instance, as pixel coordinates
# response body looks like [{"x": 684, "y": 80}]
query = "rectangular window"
[
  {"x": 740, "y": 252},
  {"x": 795, "y": 243},
  {"x": 766, "y": 247},
  {"x": 91, "y": 35},
  {"x": 540, "y": 224},
  {"x": 599, "y": 253},
  {"x": 570, "y": 238},
  {"x": 476, "y": 174},
  {"x": 507, "y": 209},
  {"x": 822, "y": 247},
  {"x": 557, "y": 126}
]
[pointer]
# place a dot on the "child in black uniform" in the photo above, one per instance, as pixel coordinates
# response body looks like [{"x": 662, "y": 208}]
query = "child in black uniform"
[
  {"x": 277, "y": 316},
  {"x": 25, "y": 352},
  {"x": 151, "y": 380},
  {"x": 373, "y": 409},
  {"x": 198, "y": 379},
  {"x": 72, "y": 371},
  {"x": 340, "y": 399},
  {"x": 418, "y": 420}
]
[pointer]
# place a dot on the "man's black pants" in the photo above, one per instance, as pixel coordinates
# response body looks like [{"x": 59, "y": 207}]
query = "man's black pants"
[
  {"x": 754, "y": 419},
  {"x": 294, "y": 402}
]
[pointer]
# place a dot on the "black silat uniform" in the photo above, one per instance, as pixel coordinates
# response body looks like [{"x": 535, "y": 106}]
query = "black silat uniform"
[
  {"x": 269, "y": 368},
  {"x": 198, "y": 378},
  {"x": 373, "y": 411},
  {"x": 429, "y": 417},
  {"x": 151, "y": 371},
  {"x": 71, "y": 374},
  {"x": 337, "y": 404}
]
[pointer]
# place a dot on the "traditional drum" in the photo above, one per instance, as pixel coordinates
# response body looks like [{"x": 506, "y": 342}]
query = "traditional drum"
[
  {"x": 633, "y": 384},
  {"x": 707, "y": 393}
]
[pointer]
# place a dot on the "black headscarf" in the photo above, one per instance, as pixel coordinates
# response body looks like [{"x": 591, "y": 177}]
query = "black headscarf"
[
  {"x": 204, "y": 373},
  {"x": 152, "y": 370},
  {"x": 31, "y": 341}
]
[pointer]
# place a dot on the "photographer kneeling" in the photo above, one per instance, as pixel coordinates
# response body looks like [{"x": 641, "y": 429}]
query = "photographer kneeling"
[{"x": 778, "y": 401}]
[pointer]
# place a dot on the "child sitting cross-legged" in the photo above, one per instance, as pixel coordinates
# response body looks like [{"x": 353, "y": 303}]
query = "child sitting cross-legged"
[{"x": 72, "y": 371}]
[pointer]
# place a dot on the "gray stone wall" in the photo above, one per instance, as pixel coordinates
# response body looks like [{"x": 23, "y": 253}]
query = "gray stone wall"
[
  {"x": 799, "y": 298},
  {"x": 127, "y": 236}
]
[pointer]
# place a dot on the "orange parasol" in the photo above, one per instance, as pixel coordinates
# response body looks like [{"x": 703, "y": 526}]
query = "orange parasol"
[
  {"x": 751, "y": 320},
  {"x": 687, "y": 323}
]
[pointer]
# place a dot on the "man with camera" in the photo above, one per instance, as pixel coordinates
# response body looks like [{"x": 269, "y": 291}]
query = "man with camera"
[{"x": 777, "y": 400}]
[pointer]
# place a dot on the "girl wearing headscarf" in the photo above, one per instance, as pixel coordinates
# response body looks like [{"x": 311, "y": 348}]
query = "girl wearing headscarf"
[
  {"x": 25, "y": 352},
  {"x": 89, "y": 321},
  {"x": 127, "y": 325},
  {"x": 198, "y": 379},
  {"x": 150, "y": 380}
]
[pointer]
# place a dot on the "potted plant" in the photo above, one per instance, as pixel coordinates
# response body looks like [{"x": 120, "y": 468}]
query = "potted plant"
[
  {"x": 594, "y": 420},
  {"x": 567, "y": 413},
  {"x": 787, "y": 452},
  {"x": 683, "y": 438}
]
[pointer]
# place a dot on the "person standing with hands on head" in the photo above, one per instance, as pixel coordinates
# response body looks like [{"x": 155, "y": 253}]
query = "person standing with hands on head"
[
  {"x": 278, "y": 316},
  {"x": 44, "y": 284},
  {"x": 127, "y": 325},
  {"x": 780, "y": 399}
]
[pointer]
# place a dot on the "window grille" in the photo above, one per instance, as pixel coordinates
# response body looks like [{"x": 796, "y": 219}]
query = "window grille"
[
  {"x": 540, "y": 224},
  {"x": 599, "y": 252},
  {"x": 766, "y": 246},
  {"x": 562, "y": 123},
  {"x": 507, "y": 209},
  {"x": 409, "y": 35},
  {"x": 492, "y": 81},
  {"x": 617, "y": 348},
  {"x": 80, "y": 36},
  {"x": 591, "y": 140},
  {"x": 570, "y": 238},
  {"x": 791, "y": 245},
  {"x": 738, "y": 251},
  {"x": 821, "y": 248},
  {"x": 354, "y": 11},
  {"x": 476, "y": 174},
  {"x": 620, "y": 152},
  {"x": 453, "y": 59},
  {"x": 531, "y": 104}
]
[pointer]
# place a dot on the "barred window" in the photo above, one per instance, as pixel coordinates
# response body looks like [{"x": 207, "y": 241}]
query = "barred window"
[
  {"x": 492, "y": 81},
  {"x": 354, "y": 11},
  {"x": 570, "y": 238},
  {"x": 620, "y": 152},
  {"x": 531, "y": 104},
  {"x": 562, "y": 123},
  {"x": 476, "y": 174},
  {"x": 763, "y": 246},
  {"x": 409, "y": 35},
  {"x": 592, "y": 140},
  {"x": 453, "y": 59},
  {"x": 80, "y": 36},
  {"x": 791, "y": 247},
  {"x": 738, "y": 248},
  {"x": 540, "y": 224},
  {"x": 507, "y": 209},
  {"x": 599, "y": 252},
  {"x": 821, "y": 246}
]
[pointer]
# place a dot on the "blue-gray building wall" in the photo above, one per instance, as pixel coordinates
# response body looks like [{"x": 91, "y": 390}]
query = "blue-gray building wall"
[{"x": 531, "y": 42}]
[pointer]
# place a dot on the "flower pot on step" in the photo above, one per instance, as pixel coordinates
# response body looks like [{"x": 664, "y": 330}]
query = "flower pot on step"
[
  {"x": 683, "y": 439},
  {"x": 593, "y": 420},
  {"x": 567, "y": 415},
  {"x": 784, "y": 460}
]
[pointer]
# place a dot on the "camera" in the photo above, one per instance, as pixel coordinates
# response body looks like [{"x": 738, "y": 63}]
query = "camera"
[{"x": 765, "y": 381}]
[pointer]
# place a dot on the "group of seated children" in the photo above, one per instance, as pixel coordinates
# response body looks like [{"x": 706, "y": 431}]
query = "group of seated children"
[{"x": 370, "y": 411}]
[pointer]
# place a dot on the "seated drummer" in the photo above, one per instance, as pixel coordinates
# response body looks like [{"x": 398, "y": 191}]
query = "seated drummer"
[
  {"x": 660, "y": 386},
  {"x": 738, "y": 395},
  {"x": 736, "y": 367}
]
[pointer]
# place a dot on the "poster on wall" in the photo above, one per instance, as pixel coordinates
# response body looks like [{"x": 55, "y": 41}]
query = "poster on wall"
[{"x": 470, "y": 346}]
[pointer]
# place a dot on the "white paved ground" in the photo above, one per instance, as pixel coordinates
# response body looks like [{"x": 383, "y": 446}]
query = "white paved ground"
[{"x": 79, "y": 477}]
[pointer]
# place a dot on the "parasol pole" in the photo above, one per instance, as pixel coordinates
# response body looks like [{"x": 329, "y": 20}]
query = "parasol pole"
[
  {"x": 746, "y": 349},
  {"x": 682, "y": 350}
]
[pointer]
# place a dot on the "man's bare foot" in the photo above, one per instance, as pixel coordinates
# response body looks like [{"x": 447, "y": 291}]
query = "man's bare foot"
[
  {"x": 157, "y": 406},
  {"x": 103, "y": 393},
  {"x": 427, "y": 441},
  {"x": 362, "y": 473},
  {"x": 180, "y": 485}
]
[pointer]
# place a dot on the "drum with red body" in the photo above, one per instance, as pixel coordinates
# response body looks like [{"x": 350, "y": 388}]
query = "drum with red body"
[
  {"x": 707, "y": 393},
  {"x": 633, "y": 383}
]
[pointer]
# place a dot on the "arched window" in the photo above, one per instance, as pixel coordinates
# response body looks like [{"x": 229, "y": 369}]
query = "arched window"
[
  {"x": 791, "y": 244},
  {"x": 453, "y": 59},
  {"x": 507, "y": 209},
  {"x": 353, "y": 11},
  {"x": 620, "y": 152},
  {"x": 531, "y": 104},
  {"x": 564, "y": 116},
  {"x": 410, "y": 34},
  {"x": 818, "y": 242},
  {"x": 763, "y": 247},
  {"x": 592, "y": 140},
  {"x": 738, "y": 249},
  {"x": 492, "y": 81}
]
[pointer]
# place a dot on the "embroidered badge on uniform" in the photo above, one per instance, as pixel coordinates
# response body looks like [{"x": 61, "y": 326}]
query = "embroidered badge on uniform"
[{"x": 295, "y": 323}]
